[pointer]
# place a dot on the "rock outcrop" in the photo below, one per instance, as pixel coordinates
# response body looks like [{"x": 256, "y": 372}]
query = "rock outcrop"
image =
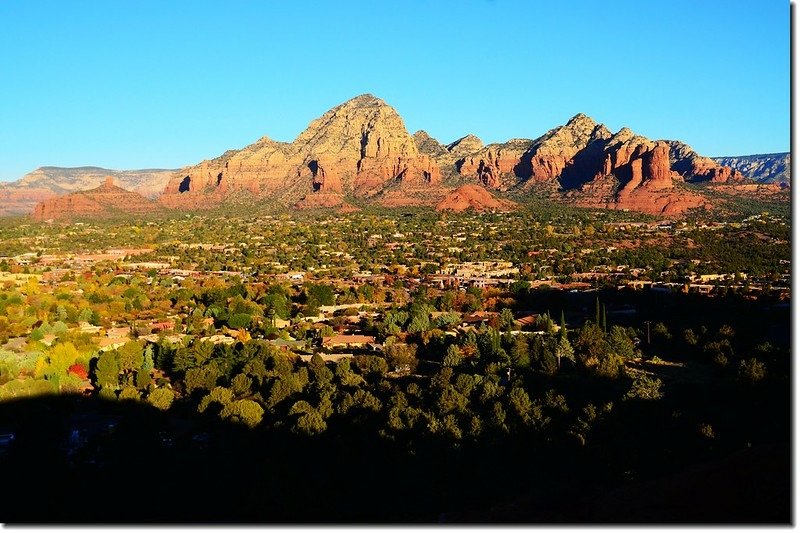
[
  {"x": 360, "y": 152},
  {"x": 550, "y": 154},
  {"x": 762, "y": 168},
  {"x": 465, "y": 146},
  {"x": 637, "y": 175},
  {"x": 20, "y": 197},
  {"x": 597, "y": 168},
  {"x": 359, "y": 148},
  {"x": 696, "y": 168},
  {"x": 429, "y": 146},
  {"x": 16, "y": 201},
  {"x": 497, "y": 166},
  {"x": 103, "y": 201},
  {"x": 473, "y": 197}
]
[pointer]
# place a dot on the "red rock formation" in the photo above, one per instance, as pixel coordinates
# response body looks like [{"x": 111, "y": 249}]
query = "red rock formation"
[
  {"x": 656, "y": 166},
  {"x": 20, "y": 197},
  {"x": 490, "y": 164},
  {"x": 473, "y": 197},
  {"x": 22, "y": 201},
  {"x": 696, "y": 168},
  {"x": 636, "y": 175},
  {"x": 105, "y": 200},
  {"x": 555, "y": 150},
  {"x": 359, "y": 147}
]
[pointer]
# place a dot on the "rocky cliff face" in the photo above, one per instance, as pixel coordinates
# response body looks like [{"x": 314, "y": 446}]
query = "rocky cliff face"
[
  {"x": 359, "y": 147},
  {"x": 763, "y": 168},
  {"x": 497, "y": 166},
  {"x": 597, "y": 168},
  {"x": 362, "y": 150},
  {"x": 696, "y": 168},
  {"x": 637, "y": 175},
  {"x": 103, "y": 201},
  {"x": 20, "y": 197}
]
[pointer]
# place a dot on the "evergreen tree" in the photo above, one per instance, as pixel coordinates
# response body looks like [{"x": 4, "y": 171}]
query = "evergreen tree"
[
  {"x": 603, "y": 318},
  {"x": 597, "y": 311}
]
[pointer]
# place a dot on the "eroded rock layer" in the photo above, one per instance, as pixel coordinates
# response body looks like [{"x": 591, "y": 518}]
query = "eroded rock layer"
[
  {"x": 360, "y": 151},
  {"x": 103, "y": 201},
  {"x": 358, "y": 148}
]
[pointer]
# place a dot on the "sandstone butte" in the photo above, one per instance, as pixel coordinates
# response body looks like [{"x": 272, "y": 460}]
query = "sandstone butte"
[
  {"x": 473, "y": 197},
  {"x": 21, "y": 197},
  {"x": 102, "y": 201},
  {"x": 361, "y": 149},
  {"x": 595, "y": 168}
]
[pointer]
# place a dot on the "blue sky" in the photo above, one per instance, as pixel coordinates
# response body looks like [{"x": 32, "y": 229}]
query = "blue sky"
[{"x": 143, "y": 84}]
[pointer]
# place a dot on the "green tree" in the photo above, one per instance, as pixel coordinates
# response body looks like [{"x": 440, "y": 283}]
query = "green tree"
[
  {"x": 130, "y": 356},
  {"x": 620, "y": 343},
  {"x": 506, "y": 319},
  {"x": 241, "y": 385},
  {"x": 453, "y": 356},
  {"x": 239, "y": 321},
  {"x": 520, "y": 352},
  {"x": 645, "y": 388},
  {"x": 752, "y": 370},
  {"x": 204, "y": 378},
  {"x": 590, "y": 346},
  {"x": 245, "y": 411},
  {"x": 310, "y": 421},
  {"x": 107, "y": 370},
  {"x": 161, "y": 398},
  {"x": 564, "y": 350},
  {"x": 129, "y": 393}
]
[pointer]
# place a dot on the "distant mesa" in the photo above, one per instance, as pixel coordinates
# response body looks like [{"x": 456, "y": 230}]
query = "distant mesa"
[
  {"x": 100, "y": 202},
  {"x": 360, "y": 153},
  {"x": 20, "y": 197},
  {"x": 762, "y": 168}
]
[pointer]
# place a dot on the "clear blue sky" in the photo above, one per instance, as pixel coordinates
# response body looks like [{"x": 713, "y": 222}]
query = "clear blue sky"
[{"x": 138, "y": 84}]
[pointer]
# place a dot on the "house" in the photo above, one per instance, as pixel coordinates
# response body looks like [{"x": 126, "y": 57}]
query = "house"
[
  {"x": 219, "y": 339},
  {"x": 85, "y": 327},
  {"x": 347, "y": 341},
  {"x": 110, "y": 343},
  {"x": 527, "y": 321},
  {"x": 327, "y": 357},
  {"x": 287, "y": 345},
  {"x": 123, "y": 331},
  {"x": 281, "y": 323},
  {"x": 165, "y": 325},
  {"x": 48, "y": 339},
  {"x": 477, "y": 318}
]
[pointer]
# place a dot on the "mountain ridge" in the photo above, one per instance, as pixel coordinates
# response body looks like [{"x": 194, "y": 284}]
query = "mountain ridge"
[
  {"x": 20, "y": 197},
  {"x": 361, "y": 149},
  {"x": 774, "y": 167},
  {"x": 100, "y": 202}
]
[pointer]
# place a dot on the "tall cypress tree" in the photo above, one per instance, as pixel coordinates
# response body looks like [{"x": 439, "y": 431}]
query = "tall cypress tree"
[
  {"x": 597, "y": 311},
  {"x": 604, "y": 319}
]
